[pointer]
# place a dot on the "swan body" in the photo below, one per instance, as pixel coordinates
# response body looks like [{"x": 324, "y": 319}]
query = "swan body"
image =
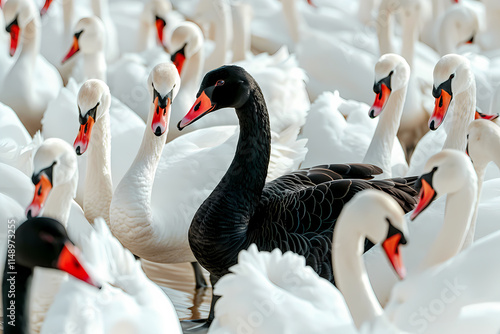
[{"x": 31, "y": 82}]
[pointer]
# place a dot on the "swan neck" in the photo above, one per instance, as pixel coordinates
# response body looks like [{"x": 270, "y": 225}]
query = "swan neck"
[
  {"x": 31, "y": 41},
  {"x": 380, "y": 150},
  {"x": 469, "y": 238},
  {"x": 242, "y": 18},
  {"x": 191, "y": 75},
  {"x": 223, "y": 35},
  {"x": 410, "y": 34},
  {"x": 463, "y": 114},
  {"x": 459, "y": 211},
  {"x": 293, "y": 18},
  {"x": 144, "y": 36},
  {"x": 94, "y": 65},
  {"x": 385, "y": 22},
  {"x": 68, "y": 10},
  {"x": 350, "y": 274},
  {"x": 20, "y": 299},
  {"x": 98, "y": 183},
  {"x": 100, "y": 9}
]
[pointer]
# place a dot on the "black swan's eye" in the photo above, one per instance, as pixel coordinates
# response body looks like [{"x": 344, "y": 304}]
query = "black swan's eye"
[{"x": 220, "y": 82}]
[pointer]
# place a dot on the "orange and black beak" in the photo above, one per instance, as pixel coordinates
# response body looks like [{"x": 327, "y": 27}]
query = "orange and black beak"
[
  {"x": 383, "y": 90},
  {"x": 178, "y": 58},
  {"x": 13, "y": 29},
  {"x": 426, "y": 193},
  {"x": 160, "y": 25},
  {"x": 443, "y": 96},
  {"x": 202, "y": 106},
  {"x": 480, "y": 115},
  {"x": 43, "y": 185},
  {"x": 69, "y": 261},
  {"x": 74, "y": 48},
  {"x": 45, "y": 7},
  {"x": 86, "y": 124},
  {"x": 394, "y": 239},
  {"x": 159, "y": 123}
]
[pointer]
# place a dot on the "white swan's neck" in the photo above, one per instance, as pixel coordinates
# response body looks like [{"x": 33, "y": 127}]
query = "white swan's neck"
[
  {"x": 191, "y": 74},
  {"x": 410, "y": 33},
  {"x": 380, "y": 150},
  {"x": 463, "y": 114},
  {"x": 58, "y": 205},
  {"x": 223, "y": 36},
  {"x": 458, "y": 214},
  {"x": 98, "y": 184},
  {"x": 469, "y": 238},
  {"x": 94, "y": 65},
  {"x": 100, "y": 9},
  {"x": 350, "y": 275},
  {"x": 242, "y": 18},
  {"x": 144, "y": 36},
  {"x": 68, "y": 10},
  {"x": 293, "y": 19},
  {"x": 30, "y": 47},
  {"x": 385, "y": 27}
]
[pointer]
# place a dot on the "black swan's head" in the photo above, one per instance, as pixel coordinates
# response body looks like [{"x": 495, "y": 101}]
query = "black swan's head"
[
  {"x": 43, "y": 242},
  {"x": 224, "y": 87}
]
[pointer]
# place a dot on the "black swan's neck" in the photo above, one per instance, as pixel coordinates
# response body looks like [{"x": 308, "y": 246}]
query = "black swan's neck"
[
  {"x": 222, "y": 220},
  {"x": 15, "y": 292}
]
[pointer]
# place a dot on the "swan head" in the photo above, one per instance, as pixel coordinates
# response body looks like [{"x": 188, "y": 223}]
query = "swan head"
[
  {"x": 156, "y": 11},
  {"x": 163, "y": 83},
  {"x": 392, "y": 73},
  {"x": 452, "y": 76},
  {"x": 446, "y": 172},
  {"x": 43, "y": 242},
  {"x": 17, "y": 15},
  {"x": 225, "y": 87},
  {"x": 88, "y": 37},
  {"x": 386, "y": 223},
  {"x": 457, "y": 26},
  {"x": 187, "y": 40},
  {"x": 483, "y": 140},
  {"x": 93, "y": 102},
  {"x": 54, "y": 164}
]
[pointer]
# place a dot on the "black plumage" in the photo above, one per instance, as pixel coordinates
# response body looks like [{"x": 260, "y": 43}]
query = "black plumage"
[{"x": 296, "y": 212}]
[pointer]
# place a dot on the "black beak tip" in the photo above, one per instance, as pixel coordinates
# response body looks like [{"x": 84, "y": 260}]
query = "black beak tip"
[
  {"x": 78, "y": 150},
  {"x": 158, "y": 131},
  {"x": 371, "y": 113},
  {"x": 28, "y": 214},
  {"x": 179, "y": 126},
  {"x": 432, "y": 126}
]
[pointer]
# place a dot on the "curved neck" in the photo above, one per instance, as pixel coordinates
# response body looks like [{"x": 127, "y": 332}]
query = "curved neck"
[
  {"x": 144, "y": 36},
  {"x": 410, "y": 33},
  {"x": 68, "y": 10},
  {"x": 100, "y": 9},
  {"x": 16, "y": 285},
  {"x": 469, "y": 238},
  {"x": 350, "y": 274},
  {"x": 234, "y": 200},
  {"x": 94, "y": 65},
  {"x": 463, "y": 113},
  {"x": 98, "y": 184},
  {"x": 191, "y": 74},
  {"x": 458, "y": 214},
  {"x": 30, "y": 42},
  {"x": 133, "y": 195},
  {"x": 380, "y": 150},
  {"x": 58, "y": 204},
  {"x": 223, "y": 35}
]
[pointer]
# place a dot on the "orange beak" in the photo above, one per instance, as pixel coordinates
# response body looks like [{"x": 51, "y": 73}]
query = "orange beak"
[
  {"x": 440, "y": 109},
  {"x": 13, "y": 29},
  {"x": 69, "y": 261},
  {"x": 45, "y": 7},
  {"x": 42, "y": 190},
  {"x": 391, "y": 248},
  {"x": 160, "y": 117},
  {"x": 83, "y": 138},
  {"x": 178, "y": 59},
  {"x": 74, "y": 49},
  {"x": 202, "y": 106},
  {"x": 427, "y": 194},
  {"x": 480, "y": 115},
  {"x": 380, "y": 101},
  {"x": 160, "y": 25}
]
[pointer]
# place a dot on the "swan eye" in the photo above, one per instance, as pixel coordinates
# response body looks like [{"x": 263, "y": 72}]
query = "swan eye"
[
  {"x": 452, "y": 76},
  {"x": 220, "y": 83}
]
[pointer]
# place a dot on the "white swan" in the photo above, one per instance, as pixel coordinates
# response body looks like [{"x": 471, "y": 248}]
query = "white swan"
[
  {"x": 453, "y": 175},
  {"x": 148, "y": 214},
  {"x": 455, "y": 93},
  {"x": 32, "y": 82},
  {"x": 55, "y": 178},
  {"x": 128, "y": 301},
  {"x": 349, "y": 139}
]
